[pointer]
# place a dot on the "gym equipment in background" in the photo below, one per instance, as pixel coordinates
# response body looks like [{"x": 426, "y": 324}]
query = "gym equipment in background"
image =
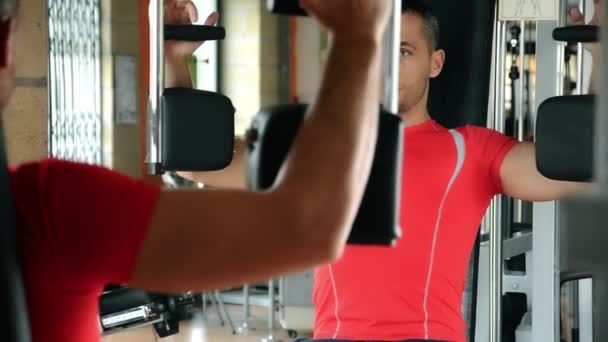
[
  {"x": 188, "y": 129},
  {"x": 122, "y": 308},
  {"x": 273, "y": 129},
  {"x": 270, "y": 138},
  {"x": 581, "y": 218}
]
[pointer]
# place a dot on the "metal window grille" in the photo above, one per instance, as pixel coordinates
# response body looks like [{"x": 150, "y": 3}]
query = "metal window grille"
[{"x": 75, "y": 80}]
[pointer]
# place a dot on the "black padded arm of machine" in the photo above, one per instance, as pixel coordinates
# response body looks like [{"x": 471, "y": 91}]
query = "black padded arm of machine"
[
  {"x": 194, "y": 33},
  {"x": 564, "y": 138},
  {"x": 14, "y": 323},
  {"x": 285, "y": 7},
  {"x": 197, "y": 126},
  {"x": 198, "y": 130},
  {"x": 270, "y": 139},
  {"x": 577, "y": 34}
]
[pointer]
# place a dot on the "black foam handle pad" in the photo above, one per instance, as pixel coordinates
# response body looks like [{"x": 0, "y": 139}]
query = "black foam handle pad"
[
  {"x": 377, "y": 221},
  {"x": 285, "y": 7},
  {"x": 564, "y": 138},
  {"x": 197, "y": 130},
  {"x": 577, "y": 34},
  {"x": 194, "y": 33}
]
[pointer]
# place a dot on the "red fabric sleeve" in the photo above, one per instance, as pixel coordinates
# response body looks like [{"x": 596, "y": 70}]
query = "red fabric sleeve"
[
  {"x": 94, "y": 218},
  {"x": 491, "y": 148}
]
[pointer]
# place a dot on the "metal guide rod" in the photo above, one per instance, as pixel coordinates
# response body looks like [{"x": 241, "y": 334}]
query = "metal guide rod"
[
  {"x": 271, "y": 314},
  {"x": 579, "y": 57},
  {"x": 561, "y": 52},
  {"x": 246, "y": 326},
  {"x": 601, "y": 116},
  {"x": 392, "y": 44},
  {"x": 520, "y": 110},
  {"x": 580, "y": 71},
  {"x": 496, "y": 268},
  {"x": 157, "y": 84}
]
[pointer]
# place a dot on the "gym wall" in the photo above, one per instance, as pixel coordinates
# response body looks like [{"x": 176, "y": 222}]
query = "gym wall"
[
  {"x": 27, "y": 114},
  {"x": 26, "y": 118},
  {"x": 120, "y": 39},
  {"x": 250, "y": 66},
  {"x": 309, "y": 45}
]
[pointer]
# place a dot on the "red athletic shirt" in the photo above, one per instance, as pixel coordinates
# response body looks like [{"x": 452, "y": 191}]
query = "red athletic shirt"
[
  {"x": 414, "y": 291},
  {"x": 79, "y": 228}
]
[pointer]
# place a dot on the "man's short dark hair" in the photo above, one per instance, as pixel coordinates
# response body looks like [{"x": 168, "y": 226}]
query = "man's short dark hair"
[
  {"x": 429, "y": 21},
  {"x": 8, "y": 8}
]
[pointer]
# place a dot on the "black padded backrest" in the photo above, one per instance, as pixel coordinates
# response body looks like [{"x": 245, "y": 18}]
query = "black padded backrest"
[
  {"x": 459, "y": 96},
  {"x": 564, "y": 138},
  {"x": 14, "y": 325}
]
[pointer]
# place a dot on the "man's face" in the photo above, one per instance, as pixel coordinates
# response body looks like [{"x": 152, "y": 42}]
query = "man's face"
[
  {"x": 7, "y": 66},
  {"x": 418, "y": 63}
]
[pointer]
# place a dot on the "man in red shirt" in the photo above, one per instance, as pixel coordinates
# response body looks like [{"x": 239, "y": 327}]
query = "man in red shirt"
[
  {"x": 414, "y": 291},
  {"x": 81, "y": 227}
]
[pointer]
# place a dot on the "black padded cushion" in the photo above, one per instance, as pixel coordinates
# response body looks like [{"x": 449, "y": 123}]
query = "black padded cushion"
[
  {"x": 194, "y": 33},
  {"x": 197, "y": 130},
  {"x": 285, "y": 7},
  {"x": 577, "y": 34},
  {"x": 377, "y": 222},
  {"x": 564, "y": 138},
  {"x": 14, "y": 325}
]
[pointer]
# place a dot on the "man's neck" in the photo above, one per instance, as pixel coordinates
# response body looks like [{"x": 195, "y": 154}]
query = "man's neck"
[{"x": 413, "y": 118}]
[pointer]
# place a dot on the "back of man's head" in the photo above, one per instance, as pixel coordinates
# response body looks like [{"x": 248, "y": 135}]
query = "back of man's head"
[
  {"x": 8, "y": 12},
  {"x": 8, "y": 8},
  {"x": 430, "y": 21}
]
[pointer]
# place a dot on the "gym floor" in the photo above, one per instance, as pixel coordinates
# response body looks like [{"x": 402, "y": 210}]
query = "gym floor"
[{"x": 200, "y": 330}]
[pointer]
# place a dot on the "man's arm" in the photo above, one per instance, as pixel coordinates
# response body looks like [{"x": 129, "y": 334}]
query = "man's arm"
[
  {"x": 522, "y": 180},
  {"x": 201, "y": 240},
  {"x": 177, "y": 74},
  {"x": 232, "y": 177}
]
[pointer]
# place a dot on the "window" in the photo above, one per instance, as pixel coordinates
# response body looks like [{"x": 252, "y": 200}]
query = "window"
[
  {"x": 75, "y": 81},
  {"x": 205, "y": 62}
]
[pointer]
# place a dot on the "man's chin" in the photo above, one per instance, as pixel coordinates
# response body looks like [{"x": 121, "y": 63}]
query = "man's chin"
[{"x": 402, "y": 108}]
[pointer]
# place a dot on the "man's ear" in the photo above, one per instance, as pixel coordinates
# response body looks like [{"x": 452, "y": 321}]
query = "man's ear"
[
  {"x": 7, "y": 30},
  {"x": 437, "y": 61}
]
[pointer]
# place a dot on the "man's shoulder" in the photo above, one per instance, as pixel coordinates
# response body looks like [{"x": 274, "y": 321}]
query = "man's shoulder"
[
  {"x": 56, "y": 171},
  {"x": 474, "y": 128},
  {"x": 486, "y": 142},
  {"x": 44, "y": 163},
  {"x": 475, "y": 133},
  {"x": 61, "y": 179},
  {"x": 43, "y": 167}
]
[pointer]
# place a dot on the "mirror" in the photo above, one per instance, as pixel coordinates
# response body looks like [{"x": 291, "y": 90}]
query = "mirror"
[{"x": 576, "y": 311}]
